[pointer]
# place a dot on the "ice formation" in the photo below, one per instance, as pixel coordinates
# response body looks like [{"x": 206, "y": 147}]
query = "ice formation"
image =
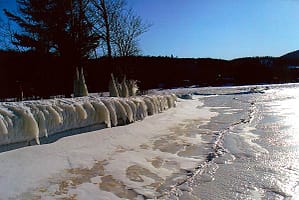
[
  {"x": 113, "y": 87},
  {"x": 124, "y": 89},
  {"x": 28, "y": 120},
  {"x": 133, "y": 88},
  {"x": 80, "y": 88}
]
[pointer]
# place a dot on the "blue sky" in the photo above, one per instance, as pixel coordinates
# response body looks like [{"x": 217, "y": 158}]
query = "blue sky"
[{"x": 217, "y": 28}]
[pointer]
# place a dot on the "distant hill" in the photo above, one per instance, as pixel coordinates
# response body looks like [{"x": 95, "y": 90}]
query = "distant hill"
[
  {"x": 291, "y": 55},
  {"x": 32, "y": 75}
]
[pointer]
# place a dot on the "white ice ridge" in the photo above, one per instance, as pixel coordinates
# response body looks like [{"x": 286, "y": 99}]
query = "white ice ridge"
[{"x": 24, "y": 121}]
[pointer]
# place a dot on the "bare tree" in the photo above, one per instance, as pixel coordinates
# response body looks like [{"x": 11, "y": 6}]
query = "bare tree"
[
  {"x": 103, "y": 15},
  {"x": 126, "y": 32},
  {"x": 117, "y": 26}
]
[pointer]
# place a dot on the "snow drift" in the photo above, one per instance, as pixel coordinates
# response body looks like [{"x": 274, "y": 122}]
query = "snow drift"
[{"x": 25, "y": 121}]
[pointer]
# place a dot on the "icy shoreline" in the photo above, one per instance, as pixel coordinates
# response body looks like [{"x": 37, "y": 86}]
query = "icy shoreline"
[
  {"x": 164, "y": 155},
  {"x": 138, "y": 157},
  {"x": 28, "y": 120}
]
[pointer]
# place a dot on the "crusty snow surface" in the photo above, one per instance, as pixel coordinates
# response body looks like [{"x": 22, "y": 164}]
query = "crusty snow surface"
[{"x": 130, "y": 161}]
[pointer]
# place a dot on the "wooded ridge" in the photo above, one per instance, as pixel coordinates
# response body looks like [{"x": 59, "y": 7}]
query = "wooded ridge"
[{"x": 49, "y": 76}]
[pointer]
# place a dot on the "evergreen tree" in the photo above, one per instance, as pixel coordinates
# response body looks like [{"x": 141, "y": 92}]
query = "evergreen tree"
[
  {"x": 76, "y": 39},
  {"x": 55, "y": 26},
  {"x": 33, "y": 22}
]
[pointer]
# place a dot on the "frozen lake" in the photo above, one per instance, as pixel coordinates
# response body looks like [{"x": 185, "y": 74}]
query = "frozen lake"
[
  {"x": 226, "y": 143},
  {"x": 258, "y": 154}
]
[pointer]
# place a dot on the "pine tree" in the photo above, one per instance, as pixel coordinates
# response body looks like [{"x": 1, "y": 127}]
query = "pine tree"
[
  {"x": 56, "y": 26},
  {"x": 77, "y": 39},
  {"x": 33, "y": 21}
]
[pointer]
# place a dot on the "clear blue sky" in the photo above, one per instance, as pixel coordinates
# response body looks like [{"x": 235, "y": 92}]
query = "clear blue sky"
[{"x": 217, "y": 28}]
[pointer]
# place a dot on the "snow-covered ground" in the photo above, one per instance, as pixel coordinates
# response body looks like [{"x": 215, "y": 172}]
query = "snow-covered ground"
[
  {"x": 217, "y": 143},
  {"x": 24, "y": 121},
  {"x": 131, "y": 161}
]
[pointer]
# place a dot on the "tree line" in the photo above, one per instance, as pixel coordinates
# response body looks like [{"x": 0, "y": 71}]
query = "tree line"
[
  {"x": 43, "y": 77},
  {"x": 73, "y": 30}
]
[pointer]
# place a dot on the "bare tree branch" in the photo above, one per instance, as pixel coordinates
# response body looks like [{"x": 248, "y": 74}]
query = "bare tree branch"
[{"x": 117, "y": 26}]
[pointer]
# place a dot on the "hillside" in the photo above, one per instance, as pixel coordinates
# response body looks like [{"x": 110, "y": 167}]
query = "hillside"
[
  {"x": 291, "y": 55},
  {"x": 47, "y": 76}
]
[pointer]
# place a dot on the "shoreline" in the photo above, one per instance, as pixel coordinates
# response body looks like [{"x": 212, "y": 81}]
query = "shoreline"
[
  {"x": 148, "y": 155},
  {"x": 207, "y": 147}
]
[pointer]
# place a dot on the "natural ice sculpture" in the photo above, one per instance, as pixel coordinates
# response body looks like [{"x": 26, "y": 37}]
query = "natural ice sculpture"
[
  {"x": 124, "y": 89},
  {"x": 28, "y": 120},
  {"x": 113, "y": 89},
  {"x": 80, "y": 88}
]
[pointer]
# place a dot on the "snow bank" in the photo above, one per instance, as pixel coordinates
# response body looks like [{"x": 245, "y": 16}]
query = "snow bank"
[
  {"x": 25, "y": 121},
  {"x": 111, "y": 163}
]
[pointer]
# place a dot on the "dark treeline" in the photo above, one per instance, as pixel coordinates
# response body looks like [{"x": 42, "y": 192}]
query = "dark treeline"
[
  {"x": 51, "y": 39},
  {"x": 47, "y": 76},
  {"x": 44, "y": 42}
]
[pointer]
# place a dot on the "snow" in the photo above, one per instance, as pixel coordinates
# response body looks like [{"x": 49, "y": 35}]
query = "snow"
[
  {"x": 25, "y": 121},
  {"x": 101, "y": 164},
  {"x": 240, "y": 143}
]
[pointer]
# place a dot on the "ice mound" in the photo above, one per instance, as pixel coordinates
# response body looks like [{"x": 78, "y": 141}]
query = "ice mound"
[
  {"x": 186, "y": 96},
  {"x": 28, "y": 120}
]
